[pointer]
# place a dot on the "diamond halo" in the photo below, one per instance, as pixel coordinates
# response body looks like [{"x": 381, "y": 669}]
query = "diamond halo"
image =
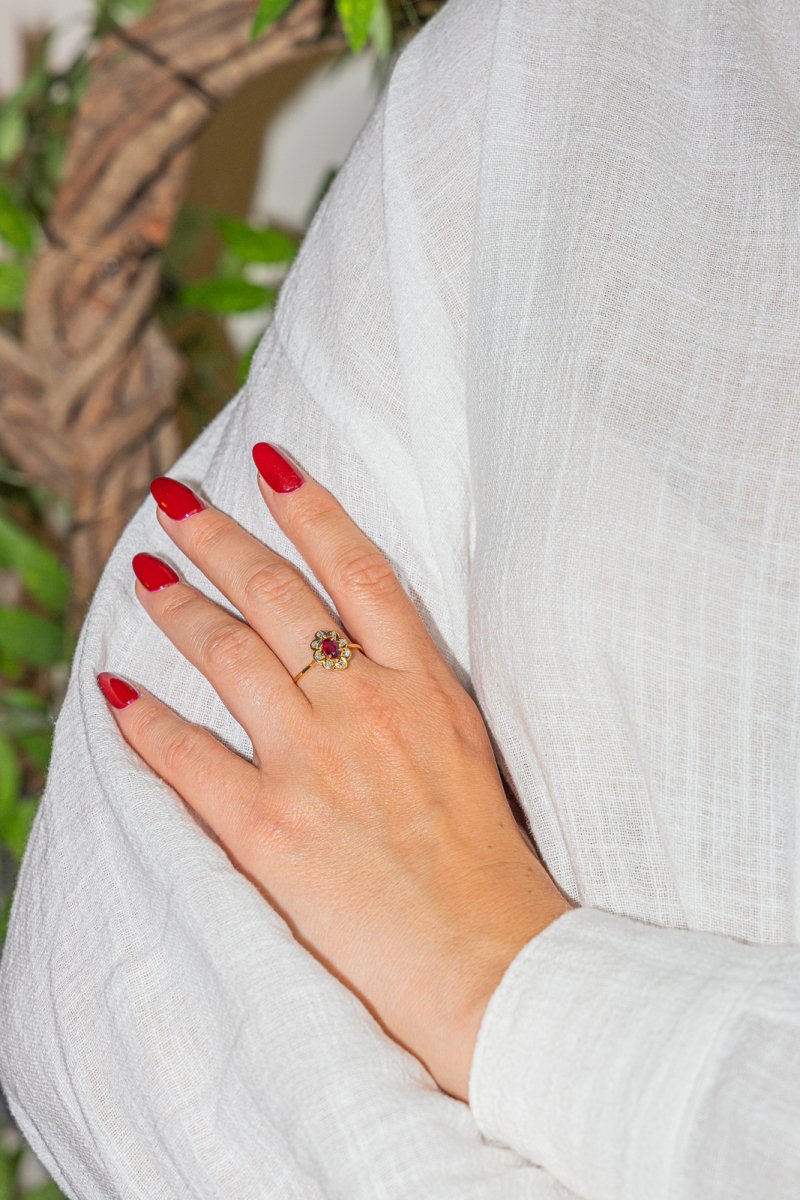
[{"x": 331, "y": 650}]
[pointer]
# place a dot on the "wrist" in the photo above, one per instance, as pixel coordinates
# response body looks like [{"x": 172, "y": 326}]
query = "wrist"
[{"x": 452, "y": 1048}]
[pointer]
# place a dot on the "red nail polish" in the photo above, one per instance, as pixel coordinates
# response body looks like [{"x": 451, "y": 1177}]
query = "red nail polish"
[
  {"x": 152, "y": 572},
  {"x": 116, "y": 690},
  {"x": 275, "y": 469},
  {"x": 176, "y": 499}
]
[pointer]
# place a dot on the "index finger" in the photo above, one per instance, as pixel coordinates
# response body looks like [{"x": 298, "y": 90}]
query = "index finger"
[{"x": 355, "y": 573}]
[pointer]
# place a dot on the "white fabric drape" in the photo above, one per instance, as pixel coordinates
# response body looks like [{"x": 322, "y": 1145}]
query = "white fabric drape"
[{"x": 543, "y": 341}]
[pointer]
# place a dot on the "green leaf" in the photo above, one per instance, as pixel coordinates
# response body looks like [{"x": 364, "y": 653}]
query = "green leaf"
[
  {"x": 38, "y": 746},
  {"x": 28, "y": 705},
  {"x": 10, "y": 779},
  {"x": 267, "y": 13},
  {"x": 12, "y": 131},
  {"x": 355, "y": 16},
  {"x": 380, "y": 29},
  {"x": 20, "y": 717},
  {"x": 250, "y": 244},
  {"x": 5, "y": 912},
  {"x": 15, "y": 828},
  {"x": 54, "y": 151},
  {"x": 127, "y": 10},
  {"x": 41, "y": 572},
  {"x": 17, "y": 228},
  {"x": 13, "y": 278},
  {"x": 8, "y": 1171},
  {"x": 16, "y": 812},
  {"x": 31, "y": 639},
  {"x": 10, "y": 668},
  {"x": 227, "y": 295},
  {"x": 37, "y": 80},
  {"x": 23, "y": 698}
]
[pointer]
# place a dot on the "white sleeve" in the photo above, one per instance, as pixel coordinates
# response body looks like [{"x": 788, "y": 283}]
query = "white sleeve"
[
  {"x": 637, "y": 1061},
  {"x": 163, "y": 1034}
]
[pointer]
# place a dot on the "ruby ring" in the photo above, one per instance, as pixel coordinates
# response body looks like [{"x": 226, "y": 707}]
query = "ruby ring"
[{"x": 331, "y": 651}]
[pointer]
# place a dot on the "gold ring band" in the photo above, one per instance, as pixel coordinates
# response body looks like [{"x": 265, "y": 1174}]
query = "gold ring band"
[{"x": 331, "y": 651}]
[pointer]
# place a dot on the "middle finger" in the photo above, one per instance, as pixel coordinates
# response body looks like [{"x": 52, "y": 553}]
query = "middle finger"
[{"x": 242, "y": 669}]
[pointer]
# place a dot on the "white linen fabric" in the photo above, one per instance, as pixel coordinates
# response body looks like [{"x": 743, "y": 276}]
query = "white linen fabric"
[{"x": 542, "y": 341}]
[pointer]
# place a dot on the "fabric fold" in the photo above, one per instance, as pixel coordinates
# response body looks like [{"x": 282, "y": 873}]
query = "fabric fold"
[{"x": 603, "y": 1052}]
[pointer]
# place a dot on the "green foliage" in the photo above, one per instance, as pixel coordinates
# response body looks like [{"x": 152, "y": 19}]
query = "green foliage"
[
  {"x": 381, "y": 29},
  {"x": 256, "y": 245},
  {"x": 229, "y": 290},
  {"x": 34, "y": 125},
  {"x": 16, "y": 811},
  {"x": 13, "y": 278},
  {"x": 244, "y": 248},
  {"x": 8, "y": 1172},
  {"x": 360, "y": 19},
  {"x": 232, "y": 295},
  {"x": 17, "y": 228},
  {"x": 356, "y": 18},
  {"x": 12, "y": 131},
  {"x": 10, "y": 777},
  {"x": 267, "y": 14},
  {"x": 28, "y": 638},
  {"x": 41, "y": 572},
  {"x": 119, "y": 12},
  {"x": 32, "y": 645}
]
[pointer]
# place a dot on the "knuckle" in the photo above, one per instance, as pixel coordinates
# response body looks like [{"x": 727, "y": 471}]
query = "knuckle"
[
  {"x": 279, "y": 827},
  {"x": 290, "y": 821},
  {"x": 145, "y": 721},
  {"x": 314, "y": 512},
  {"x": 180, "y": 752},
  {"x": 368, "y": 573},
  {"x": 227, "y": 646},
  {"x": 209, "y": 533},
  {"x": 275, "y": 584},
  {"x": 175, "y": 601}
]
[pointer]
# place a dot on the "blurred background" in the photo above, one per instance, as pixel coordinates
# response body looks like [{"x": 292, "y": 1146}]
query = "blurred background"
[{"x": 160, "y": 161}]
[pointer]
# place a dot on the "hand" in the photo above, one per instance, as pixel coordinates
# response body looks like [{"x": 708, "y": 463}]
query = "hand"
[{"x": 373, "y": 817}]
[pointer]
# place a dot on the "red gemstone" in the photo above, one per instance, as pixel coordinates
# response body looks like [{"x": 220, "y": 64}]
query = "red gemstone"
[{"x": 331, "y": 648}]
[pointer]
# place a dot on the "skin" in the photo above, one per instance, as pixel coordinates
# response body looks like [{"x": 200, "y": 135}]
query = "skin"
[{"x": 374, "y": 818}]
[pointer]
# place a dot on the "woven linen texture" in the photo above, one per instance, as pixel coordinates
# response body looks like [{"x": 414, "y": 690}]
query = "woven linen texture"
[{"x": 542, "y": 341}]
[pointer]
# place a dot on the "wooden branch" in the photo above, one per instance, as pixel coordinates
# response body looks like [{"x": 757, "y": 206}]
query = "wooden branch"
[{"x": 87, "y": 394}]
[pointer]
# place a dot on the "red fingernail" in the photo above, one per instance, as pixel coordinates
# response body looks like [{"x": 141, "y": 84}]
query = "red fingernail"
[
  {"x": 176, "y": 499},
  {"x": 152, "y": 572},
  {"x": 275, "y": 469},
  {"x": 116, "y": 690}
]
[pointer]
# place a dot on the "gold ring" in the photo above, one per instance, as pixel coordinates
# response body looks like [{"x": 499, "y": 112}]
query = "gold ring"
[{"x": 331, "y": 651}]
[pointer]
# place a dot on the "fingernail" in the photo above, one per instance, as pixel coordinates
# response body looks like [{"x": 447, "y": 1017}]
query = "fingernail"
[
  {"x": 176, "y": 499},
  {"x": 275, "y": 469},
  {"x": 152, "y": 572},
  {"x": 116, "y": 691}
]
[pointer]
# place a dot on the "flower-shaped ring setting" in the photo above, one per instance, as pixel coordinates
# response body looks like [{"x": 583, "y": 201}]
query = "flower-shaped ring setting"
[{"x": 331, "y": 651}]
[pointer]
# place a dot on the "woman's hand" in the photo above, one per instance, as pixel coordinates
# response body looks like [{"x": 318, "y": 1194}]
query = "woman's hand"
[{"x": 373, "y": 817}]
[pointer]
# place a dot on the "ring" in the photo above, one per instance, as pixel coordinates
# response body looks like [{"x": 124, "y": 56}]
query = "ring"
[{"x": 331, "y": 651}]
